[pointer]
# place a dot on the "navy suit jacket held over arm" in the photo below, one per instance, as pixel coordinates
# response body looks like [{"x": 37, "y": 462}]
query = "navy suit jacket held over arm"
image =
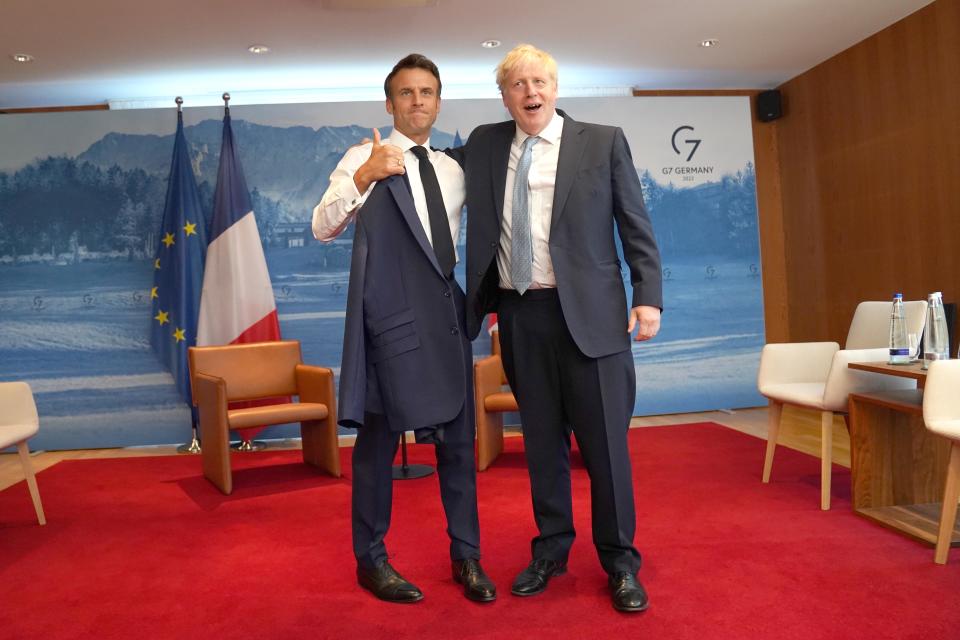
[{"x": 404, "y": 352}]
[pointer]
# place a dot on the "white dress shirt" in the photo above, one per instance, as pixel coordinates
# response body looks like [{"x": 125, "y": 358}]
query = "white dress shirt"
[
  {"x": 342, "y": 199},
  {"x": 542, "y": 178}
]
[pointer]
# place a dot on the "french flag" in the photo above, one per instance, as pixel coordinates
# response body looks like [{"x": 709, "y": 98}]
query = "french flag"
[{"x": 237, "y": 303}]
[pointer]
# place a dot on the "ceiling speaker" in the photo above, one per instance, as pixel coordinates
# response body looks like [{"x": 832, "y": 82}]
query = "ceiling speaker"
[{"x": 769, "y": 105}]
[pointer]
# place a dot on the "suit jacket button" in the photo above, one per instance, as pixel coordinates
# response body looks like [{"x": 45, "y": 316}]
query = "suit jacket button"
[
  {"x": 493, "y": 245},
  {"x": 454, "y": 331},
  {"x": 446, "y": 294}
]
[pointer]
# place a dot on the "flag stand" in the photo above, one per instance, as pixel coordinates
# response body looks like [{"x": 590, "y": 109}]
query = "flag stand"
[
  {"x": 193, "y": 446},
  {"x": 248, "y": 445}
]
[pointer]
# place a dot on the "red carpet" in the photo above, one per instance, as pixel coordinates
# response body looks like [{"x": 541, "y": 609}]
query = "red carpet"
[{"x": 146, "y": 548}]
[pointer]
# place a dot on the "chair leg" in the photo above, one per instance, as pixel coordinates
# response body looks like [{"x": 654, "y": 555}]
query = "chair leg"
[
  {"x": 210, "y": 395},
  {"x": 319, "y": 439},
  {"x": 489, "y": 438},
  {"x": 948, "y": 513},
  {"x": 31, "y": 480},
  {"x": 773, "y": 430},
  {"x": 826, "y": 458},
  {"x": 215, "y": 452},
  {"x": 488, "y": 379},
  {"x": 321, "y": 445}
]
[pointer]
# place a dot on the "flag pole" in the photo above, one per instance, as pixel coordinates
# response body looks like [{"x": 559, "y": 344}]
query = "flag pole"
[
  {"x": 245, "y": 444},
  {"x": 194, "y": 445}
]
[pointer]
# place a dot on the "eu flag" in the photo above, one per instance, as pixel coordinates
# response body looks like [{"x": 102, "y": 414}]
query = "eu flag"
[{"x": 178, "y": 268}]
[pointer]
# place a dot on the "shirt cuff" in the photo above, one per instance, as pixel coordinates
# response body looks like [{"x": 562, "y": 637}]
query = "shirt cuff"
[{"x": 351, "y": 195}]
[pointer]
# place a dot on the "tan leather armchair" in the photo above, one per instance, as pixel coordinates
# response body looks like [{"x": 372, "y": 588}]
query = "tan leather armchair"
[
  {"x": 491, "y": 403},
  {"x": 223, "y": 374}
]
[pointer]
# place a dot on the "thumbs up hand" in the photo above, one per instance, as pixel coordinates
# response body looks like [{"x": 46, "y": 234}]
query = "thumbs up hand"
[{"x": 385, "y": 160}]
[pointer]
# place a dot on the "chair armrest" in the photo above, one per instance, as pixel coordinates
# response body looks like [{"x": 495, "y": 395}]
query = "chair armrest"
[
  {"x": 842, "y": 380},
  {"x": 782, "y": 363},
  {"x": 487, "y": 380},
  {"x": 941, "y": 408},
  {"x": 210, "y": 394},
  {"x": 319, "y": 438},
  {"x": 488, "y": 377},
  {"x": 315, "y": 384}
]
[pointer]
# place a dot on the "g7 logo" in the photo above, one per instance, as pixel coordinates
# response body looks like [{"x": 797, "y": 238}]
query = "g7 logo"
[{"x": 695, "y": 143}]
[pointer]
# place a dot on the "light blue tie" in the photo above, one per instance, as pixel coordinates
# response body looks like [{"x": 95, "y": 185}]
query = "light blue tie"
[{"x": 521, "y": 239}]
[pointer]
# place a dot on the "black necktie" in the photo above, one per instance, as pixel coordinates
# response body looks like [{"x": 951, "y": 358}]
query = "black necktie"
[{"x": 436, "y": 211}]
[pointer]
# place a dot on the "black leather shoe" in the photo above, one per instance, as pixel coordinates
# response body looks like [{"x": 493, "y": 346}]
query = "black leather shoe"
[
  {"x": 476, "y": 585},
  {"x": 385, "y": 583},
  {"x": 535, "y": 577},
  {"x": 627, "y": 593}
]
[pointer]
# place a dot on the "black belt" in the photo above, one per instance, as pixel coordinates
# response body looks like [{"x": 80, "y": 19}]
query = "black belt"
[{"x": 547, "y": 293}]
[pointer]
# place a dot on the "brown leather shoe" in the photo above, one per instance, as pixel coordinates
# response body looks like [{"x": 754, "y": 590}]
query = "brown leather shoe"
[
  {"x": 534, "y": 578},
  {"x": 476, "y": 585},
  {"x": 627, "y": 593},
  {"x": 385, "y": 583}
]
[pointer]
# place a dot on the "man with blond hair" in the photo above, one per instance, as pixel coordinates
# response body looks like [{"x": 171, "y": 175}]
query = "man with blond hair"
[{"x": 545, "y": 194}]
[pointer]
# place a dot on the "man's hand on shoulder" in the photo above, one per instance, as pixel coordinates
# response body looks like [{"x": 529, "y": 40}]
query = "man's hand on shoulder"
[
  {"x": 648, "y": 319},
  {"x": 385, "y": 160}
]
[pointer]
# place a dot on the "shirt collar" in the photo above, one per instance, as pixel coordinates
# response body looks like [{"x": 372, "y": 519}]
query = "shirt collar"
[
  {"x": 551, "y": 133},
  {"x": 399, "y": 140}
]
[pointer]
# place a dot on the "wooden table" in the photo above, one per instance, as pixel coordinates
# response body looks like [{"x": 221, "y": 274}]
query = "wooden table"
[
  {"x": 898, "y": 468},
  {"x": 913, "y": 370}
]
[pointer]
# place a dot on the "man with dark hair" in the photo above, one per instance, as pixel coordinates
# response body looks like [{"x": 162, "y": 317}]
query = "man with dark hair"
[
  {"x": 406, "y": 361},
  {"x": 413, "y": 61}
]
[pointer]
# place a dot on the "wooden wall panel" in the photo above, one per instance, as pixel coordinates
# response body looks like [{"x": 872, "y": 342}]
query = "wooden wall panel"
[
  {"x": 88, "y": 107},
  {"x": 869, "y": 161}
]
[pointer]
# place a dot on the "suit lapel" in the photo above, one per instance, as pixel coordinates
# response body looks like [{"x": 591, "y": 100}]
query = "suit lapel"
[
  {"x": 401, "y": 193},
  {"x": 572, "y": 144},
  {"x": 499, "y": 158}
]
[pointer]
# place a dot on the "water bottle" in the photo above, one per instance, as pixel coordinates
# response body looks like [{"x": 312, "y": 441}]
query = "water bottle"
[
  {"x": 936, "y": 342},
  {"x": 899, "y": 347}
]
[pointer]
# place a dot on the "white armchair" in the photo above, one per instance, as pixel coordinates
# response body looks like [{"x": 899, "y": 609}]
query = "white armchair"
[
  {"x": 18, "y": 422},
  {"x": 814, "y": 375},
  {"x": 941, "y": 415}
]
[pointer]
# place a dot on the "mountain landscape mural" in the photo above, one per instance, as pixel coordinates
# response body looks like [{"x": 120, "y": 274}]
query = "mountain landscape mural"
[{"x": 78, "y": 232}]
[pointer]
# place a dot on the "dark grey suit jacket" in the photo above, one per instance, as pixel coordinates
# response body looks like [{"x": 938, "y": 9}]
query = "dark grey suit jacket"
[
  {"x": 597, "y": 189},
  {"x": 404, "y": 352}
]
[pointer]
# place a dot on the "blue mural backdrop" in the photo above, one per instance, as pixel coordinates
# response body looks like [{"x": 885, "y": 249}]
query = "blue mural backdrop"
[{"x": 81, "y": 199}]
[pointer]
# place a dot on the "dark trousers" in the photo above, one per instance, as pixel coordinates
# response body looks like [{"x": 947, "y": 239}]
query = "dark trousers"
[
  {"x": 559, "y": 389},
  {"x": 373, "y": 455}
]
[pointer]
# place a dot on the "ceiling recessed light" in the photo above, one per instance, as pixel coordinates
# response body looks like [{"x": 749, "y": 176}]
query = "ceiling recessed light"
[
  {"x": 258, "y": 49},
  {"x": 22, "y": 57},
  {"x": 712, "y": 42},
  {"x": 490, "y": 44}
]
